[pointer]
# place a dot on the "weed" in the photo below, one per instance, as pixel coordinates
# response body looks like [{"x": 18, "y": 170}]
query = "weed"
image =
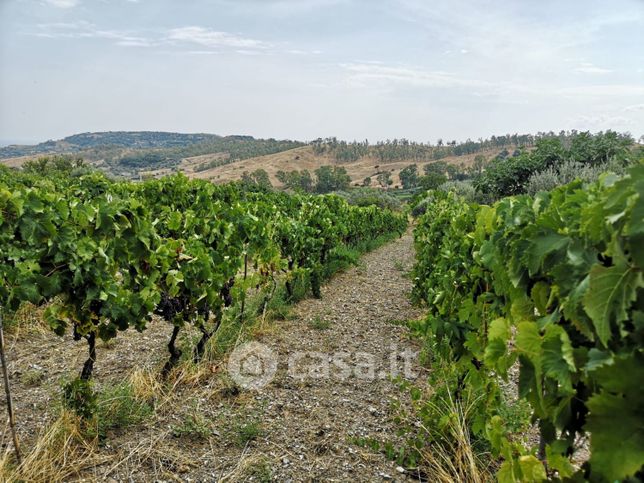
[
  {"x": 108, "y": 344},
  {"x": 516, "y": 415},
  {"x": 195, "y": 425},
  {"x": 437, "y": 429},
  {"x": 80, "y": 398},
  {"x": 399, "y": 323},
  {"x": 259, "y": 471},
  {"x": 318, "y": 323},
  {"x": 119, "y": 407},
  {"x": 32, "y": 377},
  {"x": 278, "y": 308},
  {"x": 245, "y": 428},
  {"x": 228, "y": 387}
]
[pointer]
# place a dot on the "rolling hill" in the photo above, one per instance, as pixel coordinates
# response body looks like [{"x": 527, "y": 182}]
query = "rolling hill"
[
  {"x": 128, "y": 154},
  {"x": 222, "y": 159},
  {"x": 305, "y": 158}
]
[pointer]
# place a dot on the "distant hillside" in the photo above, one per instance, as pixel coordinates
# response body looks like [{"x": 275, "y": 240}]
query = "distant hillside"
[
  {"x": 307, "y": 157},
  {"x": 225, "y": 158},
  {"x": 128, "y": 154},
  {"x": 122, "y": 139}
]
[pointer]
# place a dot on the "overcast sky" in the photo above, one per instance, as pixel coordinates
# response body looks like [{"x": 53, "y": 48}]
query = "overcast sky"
[{"x": 302, "y": 69}]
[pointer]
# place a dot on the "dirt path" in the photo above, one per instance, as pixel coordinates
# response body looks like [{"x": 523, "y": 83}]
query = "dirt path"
[
  {"x": 311, "y": 418},
  {"x": 333, "y": 358}
]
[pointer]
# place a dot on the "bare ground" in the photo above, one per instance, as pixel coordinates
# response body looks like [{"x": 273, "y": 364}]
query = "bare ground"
[{"x": 301, "y": 426}]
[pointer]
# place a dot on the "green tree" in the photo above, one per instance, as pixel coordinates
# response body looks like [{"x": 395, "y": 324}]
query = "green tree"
[
  {"x": 409, "y": 176},
  {"x": 367, "y": 181},
  {"x": 479, "y": 164},
  {"x": 384, "y": 179},
  {"x": 438, "y": 167},
  {"x": 282, "y": 176},
  {"x": 305, "y": 181},
  {"x": 258, "y": 179},
  {"x": 331, "y": 178},
  {"x": 432, "y": 181},
  {"x": 61, "y": 164}
]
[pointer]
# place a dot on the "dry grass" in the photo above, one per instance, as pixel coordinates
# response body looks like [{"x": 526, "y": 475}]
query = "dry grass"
[
  {"x": 146, "y": 384},
  {"x": 28, "y": 320},
  {"x": 257, "y": 468},
  {"x": 451, "y": 456},
  {"x": 60, "y": 453}
]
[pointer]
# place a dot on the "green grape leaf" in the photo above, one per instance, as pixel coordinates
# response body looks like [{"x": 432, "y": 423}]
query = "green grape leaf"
[
  {"x": 532, "y": 470},
  {"x": 616, "y": 419},
  {"x": 610, "y": 293}
]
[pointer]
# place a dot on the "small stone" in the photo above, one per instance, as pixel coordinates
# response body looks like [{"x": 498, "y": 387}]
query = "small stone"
[{"x": 400, "y": 469}]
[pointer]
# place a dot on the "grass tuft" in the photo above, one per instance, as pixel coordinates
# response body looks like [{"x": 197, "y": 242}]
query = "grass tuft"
[{"x": 318, "y": 323}]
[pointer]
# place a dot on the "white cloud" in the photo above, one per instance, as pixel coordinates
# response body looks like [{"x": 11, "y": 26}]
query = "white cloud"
[
  {"x": 213, "y": 38},
  {"x": 183, "y": 36},
  {"x": 280, "y": 8},
  {"x": 512, "y": 32},
  {"x": 634, "y": 108},
  {"x": 599, "y": 122},
  {"x": 87, "y": 30},
  {"x": 389, "y": 78},
  {"x": 63, "y": 3},
  {"x": 589, "y": 68},
  {"x": 371, "y": 74},
  {"x": 603, "y": 91}
]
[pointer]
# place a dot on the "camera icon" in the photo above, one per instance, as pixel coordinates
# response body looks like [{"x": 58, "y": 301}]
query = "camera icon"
[{"x": 252, "y": 365}]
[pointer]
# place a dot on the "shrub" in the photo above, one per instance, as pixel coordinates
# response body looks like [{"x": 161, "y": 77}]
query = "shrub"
[{"x": 569, "y": 171}]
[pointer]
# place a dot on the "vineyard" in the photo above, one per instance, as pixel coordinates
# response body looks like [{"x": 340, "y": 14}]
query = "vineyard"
[
  {"x": 109, "y": 254},
  {"x": 551, "y": 285},
  {"x": 529, "y": 318}
]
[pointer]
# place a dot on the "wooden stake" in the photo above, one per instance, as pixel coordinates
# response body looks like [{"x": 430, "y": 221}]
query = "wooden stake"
[{"x": 7, "y": 390}]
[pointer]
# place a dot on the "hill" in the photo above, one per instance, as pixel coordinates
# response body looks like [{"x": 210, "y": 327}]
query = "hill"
[
  {"x": 128, "y": 154},
  {"x": 305, "y": 157},
  {"x": 121, "y": 139},
  {"x": 135, "y": 155}
]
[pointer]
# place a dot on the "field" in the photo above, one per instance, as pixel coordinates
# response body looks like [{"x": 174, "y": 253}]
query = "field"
[{"x": 180, "y": 329}]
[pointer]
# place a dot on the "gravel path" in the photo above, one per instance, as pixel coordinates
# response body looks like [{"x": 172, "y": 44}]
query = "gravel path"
[{"x": 311, "y": 416}]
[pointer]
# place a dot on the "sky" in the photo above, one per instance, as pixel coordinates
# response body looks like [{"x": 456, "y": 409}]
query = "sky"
[{"x": 302, "y": 69}]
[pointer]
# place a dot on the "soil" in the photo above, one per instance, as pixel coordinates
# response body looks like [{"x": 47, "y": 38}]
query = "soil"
[{"x": 302, "y": 425}]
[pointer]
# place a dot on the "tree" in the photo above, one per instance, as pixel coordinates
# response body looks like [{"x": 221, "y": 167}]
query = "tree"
[
  {"x": 432, "y": 181},
  {"x": 331, "y": 179},
  {"x": 305, "y": 181},
  {"x": 438, "y": 167},
  {"x": 257, "y": 179},
  {"x": 479, "y": 164},
  {"x": 367, "y": 181},
  {"x": 384, "y": 179},
  {"x": 56, "y": 164},
  {"x": 452, "y": 171},
  {"x": 282, "y": 176},
  {"x": 409, "y": 176},
  {"x": 296, "y": 180}
]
